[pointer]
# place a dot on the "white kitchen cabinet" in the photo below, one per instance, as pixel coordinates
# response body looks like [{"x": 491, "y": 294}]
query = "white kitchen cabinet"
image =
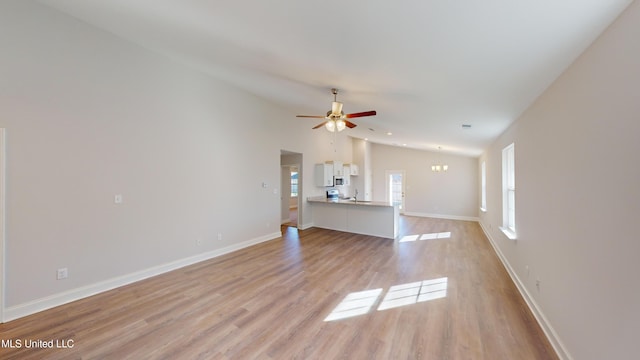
[
  {"x": 338, "y": 167},
  {"x": 353, "y": 169},
  {"x": 323, "y": 174},
  {"x": 347, "y": 175}
]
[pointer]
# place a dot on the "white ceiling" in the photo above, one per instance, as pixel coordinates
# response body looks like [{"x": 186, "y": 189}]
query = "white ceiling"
[{"x": 426, "y": 66}]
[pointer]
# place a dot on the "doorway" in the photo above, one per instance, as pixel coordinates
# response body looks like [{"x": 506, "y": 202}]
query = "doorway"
[
  {"x": 395, "y": 188},
  {"x": 291, "y": 175}
]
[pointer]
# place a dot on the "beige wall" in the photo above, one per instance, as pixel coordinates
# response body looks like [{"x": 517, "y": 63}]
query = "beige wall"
[
  {"x": 577, "y": 199},
  {"x": 363, "y": 182},
  {"x": 88, "y": 116},
  {"x": 451, "y": 194}
]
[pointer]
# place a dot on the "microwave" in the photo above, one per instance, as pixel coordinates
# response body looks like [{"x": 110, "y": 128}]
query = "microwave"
[{"x": 338, "y": 181}]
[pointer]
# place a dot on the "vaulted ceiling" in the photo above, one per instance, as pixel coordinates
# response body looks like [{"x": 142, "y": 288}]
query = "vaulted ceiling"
[{"x": 427, "y": 67}]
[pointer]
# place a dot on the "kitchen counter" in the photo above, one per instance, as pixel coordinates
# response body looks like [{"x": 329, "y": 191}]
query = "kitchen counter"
[
  {"x": 374, "y": 218},
  {"x": 323, "y": 199}
]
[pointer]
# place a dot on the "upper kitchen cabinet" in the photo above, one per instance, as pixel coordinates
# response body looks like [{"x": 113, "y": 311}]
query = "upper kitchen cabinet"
[
  {"x": 323, "y": 174},
  {"x": 338, "y": 167},
  {"x": 353, "y": 169},
  {"x": 346, "y": 179}
]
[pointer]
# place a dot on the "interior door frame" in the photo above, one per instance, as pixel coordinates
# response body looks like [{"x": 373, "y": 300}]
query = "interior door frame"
[
  {"x": 297, "y": 163},
  {"x": 283, "y": 195},
  {"x": 387, "y": 175}
]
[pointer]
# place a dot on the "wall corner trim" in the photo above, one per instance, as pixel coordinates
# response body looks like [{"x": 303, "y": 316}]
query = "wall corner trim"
[
  {"x": 32, "y": 307},
  {"x": 305, "y": 226},
  {"x": 548, "y": 330}
]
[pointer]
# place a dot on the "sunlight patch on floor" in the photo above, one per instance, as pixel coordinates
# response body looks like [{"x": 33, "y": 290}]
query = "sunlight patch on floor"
[
  {"x": 354, "y": 304},
  {"x": 411, "y": 293},
  {"x": 361, "y": 302},
  {"x": 431, "y": 236}
]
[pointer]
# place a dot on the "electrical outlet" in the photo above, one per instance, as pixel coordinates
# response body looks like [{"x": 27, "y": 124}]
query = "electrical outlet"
[
  {"x": 117, "y": 199},
  {"x": 62, "y": 273},
  {"x": 199, "y": 241},
  {"x": 219, "y": 236}
]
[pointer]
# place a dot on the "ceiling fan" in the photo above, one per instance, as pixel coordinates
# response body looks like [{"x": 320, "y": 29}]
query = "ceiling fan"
[{"x": 336, "y": 119}]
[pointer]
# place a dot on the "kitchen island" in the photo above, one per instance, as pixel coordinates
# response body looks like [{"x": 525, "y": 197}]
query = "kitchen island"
[{"x": 361, "y": 217}]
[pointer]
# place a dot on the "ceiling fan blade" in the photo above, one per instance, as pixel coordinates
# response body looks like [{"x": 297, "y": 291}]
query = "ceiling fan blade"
[
  {"x": 360, "y": 114},
  {"x": 349, "y": 124},
  {"x": 312, "y": 116},
  {"x": 319, "y": 125}
]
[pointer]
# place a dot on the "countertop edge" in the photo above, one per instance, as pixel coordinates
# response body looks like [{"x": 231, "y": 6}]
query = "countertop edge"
[{"x": 323, "y": 200}]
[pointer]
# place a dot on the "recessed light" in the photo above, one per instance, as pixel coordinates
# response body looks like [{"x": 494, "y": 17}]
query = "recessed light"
[
  {"x": 389, "y": 133},
  {"x": 404, "y": 144}
]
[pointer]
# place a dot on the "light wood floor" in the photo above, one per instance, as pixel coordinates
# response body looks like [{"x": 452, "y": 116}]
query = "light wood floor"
[{"x": 270, "y": 302}]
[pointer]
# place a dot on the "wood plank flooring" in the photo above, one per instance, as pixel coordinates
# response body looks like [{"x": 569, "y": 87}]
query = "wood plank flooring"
[{"x": 270, "y": 302}]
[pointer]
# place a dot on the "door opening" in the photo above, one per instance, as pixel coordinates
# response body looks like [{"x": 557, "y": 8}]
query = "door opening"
[
  {"x": 291, "y": 185},
  {"x": 290, "y": 195},
  {"x": 395, "y": 184}
]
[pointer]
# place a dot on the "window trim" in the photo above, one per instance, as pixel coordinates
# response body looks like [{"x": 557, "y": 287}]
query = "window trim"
[
  {"x": 483, "y": 186},
  {"x": 508, "y": 192}
]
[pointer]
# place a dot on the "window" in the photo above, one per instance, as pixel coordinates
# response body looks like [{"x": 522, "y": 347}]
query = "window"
[
  {"x": 509, "y": 192},
  {"x": 294, "y": 184},
  {"x": 483, "y": 186}
]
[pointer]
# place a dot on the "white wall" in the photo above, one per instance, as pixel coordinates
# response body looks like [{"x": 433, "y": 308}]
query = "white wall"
[
  {"x": 89, "y": 116},
  {"x": 363, "y": 182},
  {"x": 577, "y": 199},
  {"x": 451, "y": 194}
]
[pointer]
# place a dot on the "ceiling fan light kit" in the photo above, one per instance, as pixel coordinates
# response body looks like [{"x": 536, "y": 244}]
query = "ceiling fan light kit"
[
  {"x": 333, "y": 125},
  {"x": 336, "y": 118}
]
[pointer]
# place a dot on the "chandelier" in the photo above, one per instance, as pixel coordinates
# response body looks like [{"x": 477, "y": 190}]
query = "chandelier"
[{"x": 439, "y": 167}]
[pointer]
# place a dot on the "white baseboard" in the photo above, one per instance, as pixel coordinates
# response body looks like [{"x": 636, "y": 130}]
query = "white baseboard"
[
  {"x": 32, "y": 307},
  {"x": 305, "y": 226},
  {"x": 441, "y": 216},
  {"x": 555, "y": 341}
]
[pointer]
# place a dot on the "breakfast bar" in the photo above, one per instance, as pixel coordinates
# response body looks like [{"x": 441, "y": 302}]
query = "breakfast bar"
[{"x": 356, "y": 216}]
